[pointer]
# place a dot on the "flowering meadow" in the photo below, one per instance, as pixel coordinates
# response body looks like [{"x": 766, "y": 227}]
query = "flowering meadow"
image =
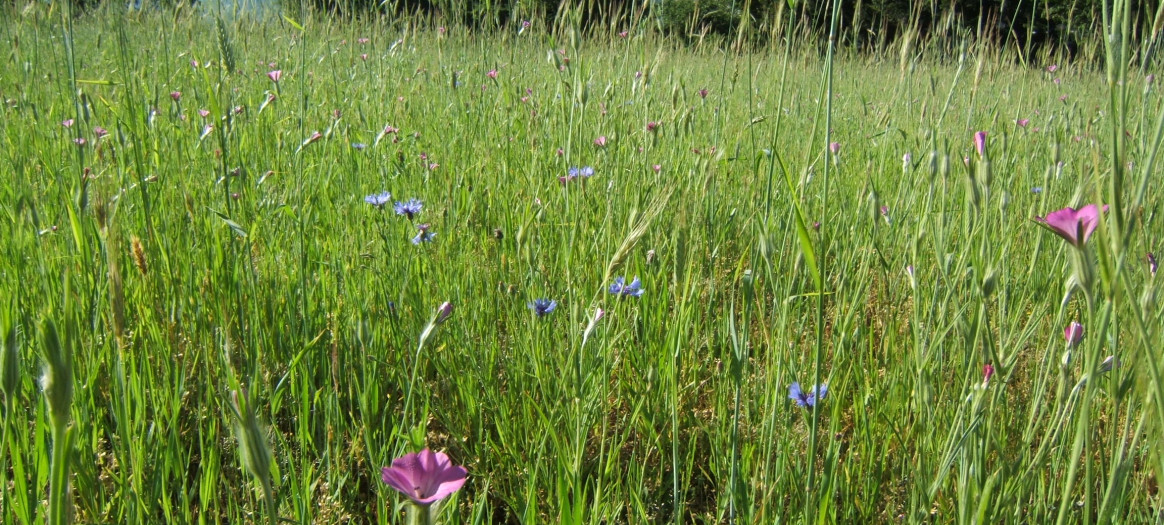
[{"x": 267, "y": 270}]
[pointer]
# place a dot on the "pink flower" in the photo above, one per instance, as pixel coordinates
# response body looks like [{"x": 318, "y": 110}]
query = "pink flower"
[
  {"x": 657, "y": 167},
  {"x": 1152, "y": 265},
  {"x": 363, "y": 56},
  {"x": 980, "y": 143},
  {"x": 835, "y": 147},
  {"x": 362, "y": 40},
  {"x": 987, "y": 372},
  {"x": 492, "y": 74},
  {"x": 315, "y": 136},
  {"x": 1052, "y": 68},
  {"x": 1074, "y": 226},
  {"x": 176, "y": 95},
  {"x": 703, "y": 93},
  {"x": 68, "y": 123},
  {"x": 425, "y": 477},
  {"x": 275, "y": 75},
  {"x": 100, "y": 132},
  {"x": 1063, "y": 97},
  {"x": 441, "y": 30},
  {"x": 1022, "y": 122},
  {"x": 80, "y": 141},
  {"x": 652, "y": 126},
  {"x": 203, "y": 113},
  {"x": 1073, "y": 334},
  {"x": 1057, "y": 81},
  {"x": 622, "y": 34},
  {"x": 444, "y": 311},
  {"x": 600, "y": 141}
]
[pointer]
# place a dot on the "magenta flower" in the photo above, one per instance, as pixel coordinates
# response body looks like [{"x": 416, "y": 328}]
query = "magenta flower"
[
  {"x": 425, "y": 477},
  {"x": 445, "y": 310},
  {"x": 100, "y": 132},
  {"x": 980, "y": 143},
  {"x": 1022, "y": 122},
  {"x": 492, "y": 74},
  {"x": 1074, "y": 226},
  {"x": 315, "y": 136},
  {"x": 703, "y": 93},
  {"x": 987, "y": 372},
  {"x": 68, "y": 123},
  {"x": 652, "y": 126},
  {"x": 275, "y": 75},
  {"x": 835, "y": 147},
  {"x": 362, "y": 40},
  {"x": 600, "y": 141},
  {"x": 1052, "y": 68},
  {"x": 176, "y": 95},
  {"x": 1152, "y": 265},
  {"x": 1073, "y": 334}
]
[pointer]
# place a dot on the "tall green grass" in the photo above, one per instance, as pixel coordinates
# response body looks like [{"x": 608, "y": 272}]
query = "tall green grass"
[{"x": 226, "y": 295}]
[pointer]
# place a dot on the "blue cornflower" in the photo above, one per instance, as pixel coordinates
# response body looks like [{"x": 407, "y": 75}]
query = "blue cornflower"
[
  {"x": 543, "y": 306},
  {"x": 575, "y": 172},
  {"x": 634, "y": 289},
  {"x": 424, "y": 235},
  {"x": 378, "y": 199},
  {"x": 807, "y": 399},
  {"x": 359, "y": 145},
  {"x": 1037, "y": 189},
  {"x": 408, "y": 208}
]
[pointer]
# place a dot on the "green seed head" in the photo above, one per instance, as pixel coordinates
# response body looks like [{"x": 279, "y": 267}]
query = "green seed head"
[{"x": 57, "y": 380}]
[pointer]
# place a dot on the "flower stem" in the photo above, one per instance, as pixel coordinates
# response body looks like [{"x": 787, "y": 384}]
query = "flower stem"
[{"x": 421, "y": 515}]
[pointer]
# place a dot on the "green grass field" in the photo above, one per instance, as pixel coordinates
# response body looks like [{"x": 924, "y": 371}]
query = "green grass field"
[{"x": 206, "y": 321}]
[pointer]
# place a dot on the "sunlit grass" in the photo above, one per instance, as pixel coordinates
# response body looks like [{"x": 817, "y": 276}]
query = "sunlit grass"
[{"x": 211, "y": 259}]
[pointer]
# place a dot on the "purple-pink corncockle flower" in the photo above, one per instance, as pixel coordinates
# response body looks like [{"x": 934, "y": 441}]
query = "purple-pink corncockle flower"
[
  {"x": 1152, "y": 264},
  {"x": 835, "y": 147},
  {"x": 424, "y": 477},
  {"x": 1074, "y": 226},
  {"x": 275, "y": 75},
  {"x": 1073, "y": 334},
  {"x": 980, "y": 143}
]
